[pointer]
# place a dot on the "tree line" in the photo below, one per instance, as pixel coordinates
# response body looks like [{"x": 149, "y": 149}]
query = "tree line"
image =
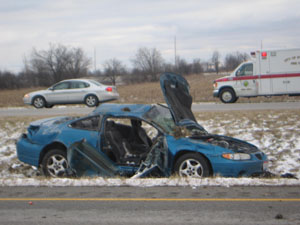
[{"x": 58, "y": 62}]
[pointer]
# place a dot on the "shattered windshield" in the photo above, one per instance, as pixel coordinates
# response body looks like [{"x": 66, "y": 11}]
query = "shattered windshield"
[{"x": 162, "y": 117}]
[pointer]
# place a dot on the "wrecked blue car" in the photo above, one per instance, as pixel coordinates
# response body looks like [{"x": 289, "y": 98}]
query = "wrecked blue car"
[{"x": 137, "y": 140}]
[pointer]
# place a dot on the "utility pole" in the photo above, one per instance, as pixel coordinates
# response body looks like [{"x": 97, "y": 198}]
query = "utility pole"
[
  {"x": 175, "y": 57},
  {"x": 95, "y": 59}
]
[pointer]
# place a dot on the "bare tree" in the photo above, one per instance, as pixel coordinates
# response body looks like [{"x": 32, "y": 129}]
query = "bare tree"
[
  {"x": 113, "y": 68},
  {"x": 196, "y": 66},
  {"x": 8, "y": 80},
  {"x": 183, "y": 67},
  {"x": 149, "y": 61},
  {"x": 59, "y": 62},
  {"x": 216, "y": 60},
  {"x": 232, "y": 60}
]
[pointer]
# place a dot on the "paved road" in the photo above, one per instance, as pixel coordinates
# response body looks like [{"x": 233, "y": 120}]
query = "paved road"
[
  {"x": 197, "y": 107},
  {"x": 154, "y": 205}
]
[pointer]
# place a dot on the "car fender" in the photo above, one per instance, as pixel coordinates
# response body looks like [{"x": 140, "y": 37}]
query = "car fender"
[
  {"x": 178, "y": 147},
  {"x": 92, "y": 93},
  {"x": 223, "y": 87},
  {"x": 37, "y": 95},
  {"x": 52, "y": 145}
]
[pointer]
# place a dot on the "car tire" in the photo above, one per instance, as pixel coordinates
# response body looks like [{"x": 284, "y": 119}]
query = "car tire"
[
  {"x": 192, "y": 165},
  {"x": 48, "y": 106},
  {"x": 227, "y": 95},
  {"x": 91, "y": 101},
  {"x": 54, "y": 163},
  {"x": 38, "y": 102}
]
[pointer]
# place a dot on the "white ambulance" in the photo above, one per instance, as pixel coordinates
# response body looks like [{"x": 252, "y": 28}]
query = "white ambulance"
[{"x": 269, "y": 73}]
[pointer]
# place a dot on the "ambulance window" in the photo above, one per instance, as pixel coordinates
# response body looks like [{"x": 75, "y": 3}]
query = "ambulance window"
[{"x": 245, "y": 70}]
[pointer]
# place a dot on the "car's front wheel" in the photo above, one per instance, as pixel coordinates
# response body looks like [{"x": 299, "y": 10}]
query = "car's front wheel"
[
  {"x": 55, "y": 163},
  {"x": 192, "y": 165},
  {"x": 91, "y": 101},
  {"x": 227, "y": 95},
  {"x": 38, "y": 102}
]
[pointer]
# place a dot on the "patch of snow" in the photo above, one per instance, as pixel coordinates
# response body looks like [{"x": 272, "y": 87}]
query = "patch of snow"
[{"x": 278, "y": 139}]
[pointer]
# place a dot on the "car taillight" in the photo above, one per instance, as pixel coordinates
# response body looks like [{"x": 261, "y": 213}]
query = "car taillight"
[{"x": 109, "y": 89}]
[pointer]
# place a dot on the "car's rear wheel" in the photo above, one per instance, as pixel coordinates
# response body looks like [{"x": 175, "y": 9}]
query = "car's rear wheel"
[
  {"x": 192, "y": 165},
  {"x": 55, "y": 163},
  {"x": 91, "y": 101},
  {"x": 39, "y": 102}
]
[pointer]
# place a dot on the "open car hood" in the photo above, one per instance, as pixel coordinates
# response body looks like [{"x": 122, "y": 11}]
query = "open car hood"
[{"x": 176, "y": 92}]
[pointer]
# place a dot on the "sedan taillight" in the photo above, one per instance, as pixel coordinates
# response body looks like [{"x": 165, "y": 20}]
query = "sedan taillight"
[{"x": 109, "y": 89}]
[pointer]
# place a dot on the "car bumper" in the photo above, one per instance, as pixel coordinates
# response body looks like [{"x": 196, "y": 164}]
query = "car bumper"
[
  {"x": 109, "y": 97},
  {"x": 28, "y": 152},
  {"x": 27, "y": 101},
  {"x": 235, "y": 168},
  {"x": 216, "y": 93}
]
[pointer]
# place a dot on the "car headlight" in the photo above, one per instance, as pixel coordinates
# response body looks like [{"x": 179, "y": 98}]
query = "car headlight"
[
  {"x": 236, "y": 156},
  {"x": 26, "y": 96}
]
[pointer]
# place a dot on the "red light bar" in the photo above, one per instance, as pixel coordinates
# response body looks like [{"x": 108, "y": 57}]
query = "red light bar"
[{"x": 264, "y": 55}]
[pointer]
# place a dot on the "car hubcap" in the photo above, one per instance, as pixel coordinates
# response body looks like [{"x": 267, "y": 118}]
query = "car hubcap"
[
  {"x": 38, "y": 102},
  {"x": 227, "y": 96},
  {"x": 57, "y": 165},
  {"x": 191, "y": 168},
  {"x": 90, "y": 101}
]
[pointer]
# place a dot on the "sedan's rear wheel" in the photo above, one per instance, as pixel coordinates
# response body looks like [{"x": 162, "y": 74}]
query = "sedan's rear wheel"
[
  {"x": 192, "y": 165},
  {"x": 39, "y": 102},
  {"x": 91, "y": 101},
  {"x": 55, "y": 163}
]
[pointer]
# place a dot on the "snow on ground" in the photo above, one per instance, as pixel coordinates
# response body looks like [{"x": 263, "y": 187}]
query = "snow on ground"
[{"x": 276, "y": 134}]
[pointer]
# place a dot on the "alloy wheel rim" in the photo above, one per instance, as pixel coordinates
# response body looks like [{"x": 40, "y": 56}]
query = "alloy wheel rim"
[
  {"x": 191, "y": 168},
  {"x": 57, "y": 165}
]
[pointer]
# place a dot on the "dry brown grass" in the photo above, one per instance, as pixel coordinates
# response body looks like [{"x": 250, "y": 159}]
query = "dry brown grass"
[
  {"x": 148, "y": 92},
  {"x": 9, "y": 98}
]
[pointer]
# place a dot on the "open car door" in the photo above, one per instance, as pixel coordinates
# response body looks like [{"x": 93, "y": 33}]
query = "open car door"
[{"x": 85, "y": 160}]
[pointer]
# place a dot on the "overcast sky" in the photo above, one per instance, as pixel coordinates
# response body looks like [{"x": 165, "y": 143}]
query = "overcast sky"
[{"x": 117, "y": 28}]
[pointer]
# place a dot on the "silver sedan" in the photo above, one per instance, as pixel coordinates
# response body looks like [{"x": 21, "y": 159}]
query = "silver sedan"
[{"x": 73, "y": 91}]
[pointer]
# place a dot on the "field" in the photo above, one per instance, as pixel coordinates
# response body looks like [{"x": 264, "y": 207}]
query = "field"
[
  {"x": 275, "y": 132},
  {"x": 150, "y": 92}
]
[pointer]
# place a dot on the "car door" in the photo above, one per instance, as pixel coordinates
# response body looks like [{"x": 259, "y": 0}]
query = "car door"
[
  {"x": 77, "y": 92},
  {"x": 58, "y": 93},
  {"x": 246, "y": 83}
]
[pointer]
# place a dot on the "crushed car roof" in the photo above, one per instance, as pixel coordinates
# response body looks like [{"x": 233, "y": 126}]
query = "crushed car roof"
[{"x": 131, "y": 110}]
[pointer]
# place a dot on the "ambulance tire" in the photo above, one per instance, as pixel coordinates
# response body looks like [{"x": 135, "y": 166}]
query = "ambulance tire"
[{"x": 227, "y": 95}]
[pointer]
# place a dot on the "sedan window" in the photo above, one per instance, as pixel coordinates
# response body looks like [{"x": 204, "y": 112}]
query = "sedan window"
[
  {"x": 96, "y": 83},
  {"x": 79, "y": 84},
  {"x": 162, "y": 117},
  {"x": 62, "y": 85},
  {"x": 90, "y": 123}
]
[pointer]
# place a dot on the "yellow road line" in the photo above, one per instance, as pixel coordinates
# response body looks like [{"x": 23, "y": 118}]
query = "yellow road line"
[{"x": 159, "y": 199}]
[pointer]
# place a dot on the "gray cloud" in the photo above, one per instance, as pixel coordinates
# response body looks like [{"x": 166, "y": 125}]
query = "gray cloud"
[{"x": 116, "y": 28}]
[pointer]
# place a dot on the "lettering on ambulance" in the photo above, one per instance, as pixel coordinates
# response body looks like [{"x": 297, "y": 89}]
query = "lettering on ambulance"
[
  {"x": 246, "y": 83},
  {"x": 293, "y": 60}
]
